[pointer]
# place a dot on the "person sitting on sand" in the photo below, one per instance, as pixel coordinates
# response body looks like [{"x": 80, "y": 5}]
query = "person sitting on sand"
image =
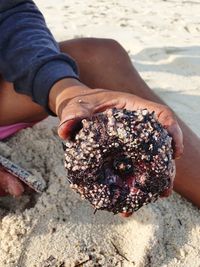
[{"x": 74, "y": 79}]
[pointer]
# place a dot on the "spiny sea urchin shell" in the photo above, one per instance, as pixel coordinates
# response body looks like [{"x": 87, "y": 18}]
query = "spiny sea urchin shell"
[{"x": 120, "y": 160}]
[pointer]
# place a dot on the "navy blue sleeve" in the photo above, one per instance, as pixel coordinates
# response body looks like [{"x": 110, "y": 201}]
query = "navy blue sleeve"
[{"x": 29, "y": 55}]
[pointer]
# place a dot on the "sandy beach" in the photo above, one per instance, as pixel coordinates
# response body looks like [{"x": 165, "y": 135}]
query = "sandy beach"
[{"x": 58, "y": 229}]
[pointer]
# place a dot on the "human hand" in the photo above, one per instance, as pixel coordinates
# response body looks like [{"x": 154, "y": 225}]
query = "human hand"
[
  {"x": 73, "y": 101},
  {"x": 78, "y": 101},
  {"x": 9, "y": 184}
]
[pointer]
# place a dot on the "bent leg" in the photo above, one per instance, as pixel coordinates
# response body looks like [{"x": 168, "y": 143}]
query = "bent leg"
[
  {"x": 105, "y": 64},
  {"x": 16, "y": 107}
]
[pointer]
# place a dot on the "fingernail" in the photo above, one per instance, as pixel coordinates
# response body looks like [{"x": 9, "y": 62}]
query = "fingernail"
[
  {"x": 68, "y": 121},
  {"x": 69, "y": 128},
  {"x": 63, "y": 130}
]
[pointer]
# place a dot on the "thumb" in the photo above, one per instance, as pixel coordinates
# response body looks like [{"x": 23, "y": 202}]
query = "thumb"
[
  {"x": 73, "y": 111},
  {"x": 67, "y": 128},
  {"x": 71, "y": 116}
]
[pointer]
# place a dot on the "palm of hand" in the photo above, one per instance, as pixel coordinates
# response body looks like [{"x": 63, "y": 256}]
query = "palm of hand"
[{"x": 90, "y": 101}]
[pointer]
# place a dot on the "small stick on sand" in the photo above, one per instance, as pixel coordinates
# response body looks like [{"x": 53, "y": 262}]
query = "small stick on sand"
[
  {"x": 119, "y": 253},
  {"x": 35, "y": 182}
]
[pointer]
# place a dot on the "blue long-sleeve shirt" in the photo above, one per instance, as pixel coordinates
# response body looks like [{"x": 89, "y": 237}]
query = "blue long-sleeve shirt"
[{"x": 29, "y": 55}]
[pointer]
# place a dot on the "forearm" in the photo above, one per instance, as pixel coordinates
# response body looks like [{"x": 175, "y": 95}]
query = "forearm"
[
  {"x": 63, "y": 90},
  {"x": 30, "y": 57}
]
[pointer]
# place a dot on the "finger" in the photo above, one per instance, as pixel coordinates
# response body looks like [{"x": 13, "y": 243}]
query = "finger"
[
  {"x": 79, "y": 109},
  {"x": 73, "y": 113},
  {"x": 167, "y": 192},
  {"x": 10, "y": 184},
  {"x": 177, "y": 135},
  {"x": 168, "y": 120},
  {"x": 126, "y": 214},
  {"x": 71, "y": 116},
  {"x": 67, "y": 128}
]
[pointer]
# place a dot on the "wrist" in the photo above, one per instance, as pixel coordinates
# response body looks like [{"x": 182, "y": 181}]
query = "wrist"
[{"x": 64, "y": 90}]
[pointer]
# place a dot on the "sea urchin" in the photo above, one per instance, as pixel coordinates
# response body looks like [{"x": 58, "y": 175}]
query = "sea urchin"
[{"x": 120, "y": 160}]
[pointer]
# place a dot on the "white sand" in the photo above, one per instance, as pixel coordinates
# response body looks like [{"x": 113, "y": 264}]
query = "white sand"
[{"x": 162, "y": 38}]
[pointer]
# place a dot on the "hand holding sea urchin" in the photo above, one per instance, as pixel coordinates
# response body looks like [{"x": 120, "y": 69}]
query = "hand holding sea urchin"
[{"x": 120, "y": 160}]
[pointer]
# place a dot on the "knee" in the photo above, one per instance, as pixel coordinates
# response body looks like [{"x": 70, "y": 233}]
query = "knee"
[
  {"x": 102, "y": 48},
  {"x": 96, "y": 55},
  {"x": 93, "y": 49},
  {"x": 106, "y": 48}
]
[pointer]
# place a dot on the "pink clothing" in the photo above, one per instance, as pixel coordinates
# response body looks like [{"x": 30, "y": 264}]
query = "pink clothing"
[{"x": 8, "y": 130}]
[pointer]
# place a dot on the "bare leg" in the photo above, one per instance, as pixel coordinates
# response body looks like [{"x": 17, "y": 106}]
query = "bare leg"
[
  {"x": 16, "y": 107},
  {"x": 105, "y": 64}
]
